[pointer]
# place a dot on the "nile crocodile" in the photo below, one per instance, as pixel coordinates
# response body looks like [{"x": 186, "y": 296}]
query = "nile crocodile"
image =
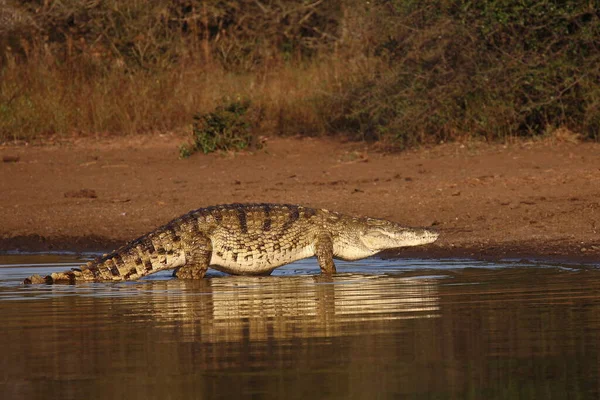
[{"x": 245, "y": 239}]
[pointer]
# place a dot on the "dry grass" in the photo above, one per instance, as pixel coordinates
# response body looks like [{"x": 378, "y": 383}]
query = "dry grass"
[{"x": 44, "y": 97}]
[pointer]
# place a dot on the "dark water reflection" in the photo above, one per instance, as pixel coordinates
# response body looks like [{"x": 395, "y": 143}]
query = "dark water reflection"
[{"x": 380, "y": 329}]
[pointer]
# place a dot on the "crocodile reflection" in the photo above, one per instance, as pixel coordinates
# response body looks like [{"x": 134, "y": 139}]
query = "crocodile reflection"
[{"x": 258, "y": 308}]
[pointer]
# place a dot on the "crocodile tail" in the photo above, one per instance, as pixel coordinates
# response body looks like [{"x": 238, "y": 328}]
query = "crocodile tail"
[
  {"x": 84, "y": 273},
  {"x": 156, "y": 251},
  {"x": 89, "y": 272}
]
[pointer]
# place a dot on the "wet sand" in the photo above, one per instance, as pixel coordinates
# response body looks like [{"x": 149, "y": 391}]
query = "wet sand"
[{"x": 534, "y": 200}]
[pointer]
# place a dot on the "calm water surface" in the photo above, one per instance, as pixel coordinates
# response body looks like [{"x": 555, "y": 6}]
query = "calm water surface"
[{"x": 379, "y": 329}]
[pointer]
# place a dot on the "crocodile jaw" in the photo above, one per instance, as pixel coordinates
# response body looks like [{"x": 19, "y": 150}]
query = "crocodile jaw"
[
  {"x": 383, "y": 239},
  {"x": 365, "y": 244}
]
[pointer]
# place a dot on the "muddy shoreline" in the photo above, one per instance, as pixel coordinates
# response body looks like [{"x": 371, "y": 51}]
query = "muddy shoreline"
[
  {"x": 533, "y": 252},
  {"x": 531, "y": 200}
]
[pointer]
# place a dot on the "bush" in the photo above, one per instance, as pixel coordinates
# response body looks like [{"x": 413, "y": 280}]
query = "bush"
[
  {"x": 236, "y": 35},
  {"x": 487, "y": 68},
  {"x": 226, "y": 128}
]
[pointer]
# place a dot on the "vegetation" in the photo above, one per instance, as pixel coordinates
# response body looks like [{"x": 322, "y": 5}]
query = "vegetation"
[
  {"x": 399, "y": 71},
  {"x": 486, "y": 68},
  {"x": 227, "y": 128}
]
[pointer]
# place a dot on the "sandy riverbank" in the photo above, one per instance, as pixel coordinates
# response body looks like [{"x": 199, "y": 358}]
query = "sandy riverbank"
[{"x": 534, "y": 200}]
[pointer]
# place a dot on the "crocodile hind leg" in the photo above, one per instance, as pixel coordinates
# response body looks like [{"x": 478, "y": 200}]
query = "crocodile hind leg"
[
  {"x": 197, "y": 258},
  {"x": 324, "y": 253}
]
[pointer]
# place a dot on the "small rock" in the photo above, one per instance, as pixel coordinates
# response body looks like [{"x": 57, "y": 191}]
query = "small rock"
[
  {"x": 11, "y": 158},
  {"x": 527, "y": 202},
  {"x": 82, "y": 194}
]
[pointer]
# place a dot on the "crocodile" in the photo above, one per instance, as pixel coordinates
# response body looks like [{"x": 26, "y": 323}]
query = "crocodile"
[{"x": 245, "y": 239}]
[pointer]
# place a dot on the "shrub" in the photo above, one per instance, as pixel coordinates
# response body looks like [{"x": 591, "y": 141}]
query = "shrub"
[
  {"x": 487, "y": 68},
  {"x": 226, "y": 128}
]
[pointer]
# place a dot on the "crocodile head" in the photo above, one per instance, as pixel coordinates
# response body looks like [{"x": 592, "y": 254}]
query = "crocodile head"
[
  {"x": 369, "y": 236},
  {"x": 380, "y": 235}
]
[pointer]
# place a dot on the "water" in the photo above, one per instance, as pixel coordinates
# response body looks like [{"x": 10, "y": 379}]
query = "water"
[{"x": 416, "y": 329}]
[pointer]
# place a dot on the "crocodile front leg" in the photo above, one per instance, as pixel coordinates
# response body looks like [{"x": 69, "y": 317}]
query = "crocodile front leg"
[
  {"x": 197, "y": 258},
  {"x": 324, "y": 253}
]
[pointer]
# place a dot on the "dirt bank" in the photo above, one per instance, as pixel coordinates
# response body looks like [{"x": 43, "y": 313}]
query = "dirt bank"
[{"x": 534, "y": 200}]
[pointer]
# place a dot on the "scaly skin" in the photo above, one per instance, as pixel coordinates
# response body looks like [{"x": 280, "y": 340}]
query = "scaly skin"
[{"x": 245, "y": 239}]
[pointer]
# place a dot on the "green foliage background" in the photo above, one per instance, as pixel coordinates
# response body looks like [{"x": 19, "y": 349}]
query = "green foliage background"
[{"x": 400, "y": 71}]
